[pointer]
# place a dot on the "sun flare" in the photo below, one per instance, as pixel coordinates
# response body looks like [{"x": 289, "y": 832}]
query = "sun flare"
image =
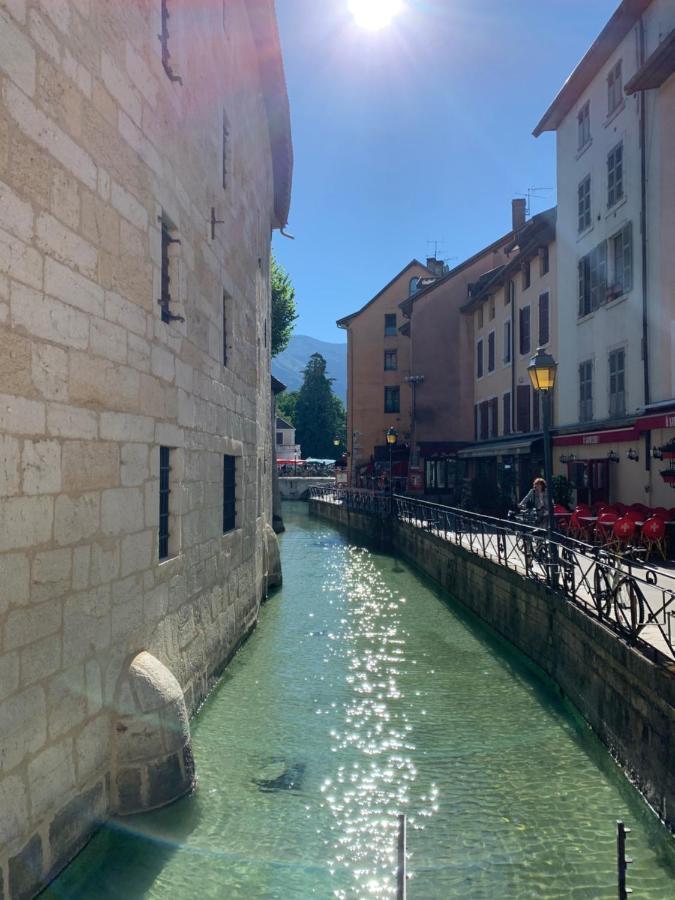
[{"x": 374, "y": 14}]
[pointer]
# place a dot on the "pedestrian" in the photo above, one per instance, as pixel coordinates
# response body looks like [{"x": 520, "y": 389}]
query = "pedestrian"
[{"x": 536, "y": 499}]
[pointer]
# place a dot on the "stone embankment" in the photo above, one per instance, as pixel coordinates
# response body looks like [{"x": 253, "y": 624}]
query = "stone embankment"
[
  {"x": 298, "y": 488},
  {"x": 628, "y": 699}
]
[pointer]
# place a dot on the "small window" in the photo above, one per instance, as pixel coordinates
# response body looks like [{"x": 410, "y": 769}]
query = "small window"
[
  {"x": 617, "y": 383},
  {"x": 544, "y": 329},
  {"x": 164, "y": 36},
  {"x": 492, "y": 311},
  {"x": 484, "y": 420},
  {"x": 392, "y": 399},
  {"x": 229, "y": 493},
  {"x": 390, "y": 324},
  {"x": 586, "y": 391},
  {"x": 615, "y": 175},
  {"x": 507, "y": 342},
  {"x": 525, "y": 344},
  {"x": 544, "y": 262},
  {"x": 527, "y": 275},
  {"x": 390, "y": 360},
  {"x": 164, "y": 505},
  {"x": 506, "y": 412},
  {"x": 168, "y": 263},
  {"x": 226, "y": 317},
  {"x": 479, "y": 318},
  {"x": 584, "y": 125},
  {"x": 622, "y": 261},
  {"x": 584, "y": 204},
  {"x": 225, "y": 136},
  {"x": 280, "y": 438},
  {"x": 479, "y": 359},
  {"x": 614, "y": 89},
  {"x": 491, "y": 352}
]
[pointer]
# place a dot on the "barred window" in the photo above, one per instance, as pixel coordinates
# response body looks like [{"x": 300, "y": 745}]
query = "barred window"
[
  {"x": 390, "y": 360},
  {"x": 229, "y": 493},
  {"x": 164, "y": 495},
  {"x": 584, "y": 204},
  {"x": 615, "y": 175}
]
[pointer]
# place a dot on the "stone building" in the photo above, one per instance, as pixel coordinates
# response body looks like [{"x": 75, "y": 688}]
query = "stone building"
[{"x": 145, "y": 156}]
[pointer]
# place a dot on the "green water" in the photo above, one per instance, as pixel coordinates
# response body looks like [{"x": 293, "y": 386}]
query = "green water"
[{"x": 365, "y": 692}]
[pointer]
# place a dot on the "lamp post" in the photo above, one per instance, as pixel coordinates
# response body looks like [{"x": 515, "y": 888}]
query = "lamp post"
[
  {"x": 392, "y": 437},
  {"x": 542, "y": 371}
]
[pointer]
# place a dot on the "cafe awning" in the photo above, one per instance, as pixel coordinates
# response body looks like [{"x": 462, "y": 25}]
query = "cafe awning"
[{"x": 520, "y": 446}]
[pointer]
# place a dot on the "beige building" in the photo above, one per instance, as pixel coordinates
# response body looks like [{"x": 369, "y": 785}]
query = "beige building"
[
  {"x": 144, "y": 161},
  {"x": 513, "y": 312},
  {"x": 378, "y": 363}
]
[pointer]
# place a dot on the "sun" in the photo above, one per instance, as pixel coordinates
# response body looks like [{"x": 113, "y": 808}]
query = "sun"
[{"x": 374, "y": 14}]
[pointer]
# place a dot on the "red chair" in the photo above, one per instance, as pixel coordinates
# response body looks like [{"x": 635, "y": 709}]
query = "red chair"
[
  {"x": 623, "y": 533},
  {"x": 582, "y": 531},
  {"x": 662, "y": 512},
  {"x": 636, "y": 515},
  {"x": 638, "y": 507},
  {"x": 561, "y": 515},
  {"x": 654, "y": 536},
  {"x": 604, "y": 526},
  {"x": 620, "y": 508}
]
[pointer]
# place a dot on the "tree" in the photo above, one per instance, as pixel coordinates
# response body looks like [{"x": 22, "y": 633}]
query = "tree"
[
  {"x": 286, "y": 405},
  {"x": 283, "y": 308},
  {"x": 319, "y": 419}
]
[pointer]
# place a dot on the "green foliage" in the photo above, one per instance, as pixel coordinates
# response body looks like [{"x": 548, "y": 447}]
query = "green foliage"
[
  {"x": 286, "y": 405},
  {"x": 319, "y": 414},
  {"x": 283, "y": 308},
  {"x": 562, "y": 490}
]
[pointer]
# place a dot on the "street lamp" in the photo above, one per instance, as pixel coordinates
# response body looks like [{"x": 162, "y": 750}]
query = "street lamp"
[
  {"x": 392, "y": 437},
  {"x": 542, "y": 371}
]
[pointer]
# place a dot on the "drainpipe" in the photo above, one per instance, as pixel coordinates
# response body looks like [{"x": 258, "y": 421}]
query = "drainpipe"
[{"x": 643, "y": 220}]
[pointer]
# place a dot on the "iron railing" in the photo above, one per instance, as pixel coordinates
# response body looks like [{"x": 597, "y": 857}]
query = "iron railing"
[{"x": 635, "y": 600}]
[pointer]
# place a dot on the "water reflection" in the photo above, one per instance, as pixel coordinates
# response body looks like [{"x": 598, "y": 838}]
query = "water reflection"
[{"x": 365, "y": 693}]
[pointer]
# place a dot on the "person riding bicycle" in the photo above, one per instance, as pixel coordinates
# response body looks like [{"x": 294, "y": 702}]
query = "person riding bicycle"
[{"x": 536, "y": 500}]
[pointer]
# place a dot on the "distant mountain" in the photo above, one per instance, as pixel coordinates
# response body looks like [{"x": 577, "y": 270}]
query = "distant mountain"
[{"x": 289, "y": 365}]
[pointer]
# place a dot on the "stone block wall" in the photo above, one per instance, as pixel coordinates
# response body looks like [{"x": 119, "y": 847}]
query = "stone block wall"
[{"x": 97, "y": 147}]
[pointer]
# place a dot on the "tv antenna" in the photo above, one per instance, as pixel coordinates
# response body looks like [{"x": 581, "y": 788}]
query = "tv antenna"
[
  {"x": 436, "y": 245},
  {"x": 534, "y": 193}
]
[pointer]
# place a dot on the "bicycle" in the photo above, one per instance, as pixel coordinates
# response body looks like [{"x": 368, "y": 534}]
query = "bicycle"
[
  {"x": 616, "y": 588},
  {"x": 531, "y": 542}
]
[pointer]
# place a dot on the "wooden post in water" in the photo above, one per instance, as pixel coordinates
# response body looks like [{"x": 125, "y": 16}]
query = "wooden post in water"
[
  {"x": 401, "y": 874},
  {"x": 622, "y": 861}
]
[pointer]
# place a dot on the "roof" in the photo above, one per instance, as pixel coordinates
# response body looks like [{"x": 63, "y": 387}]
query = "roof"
[
  {"x": 540, "y": 229},
  {"x": 344, "y": 322},
  {"x": 282, "y": 423},
  {"x": 623, "y": 19},
  {"x": 278, "y": 387},
  {"x": 408, "y": 303},
  {"x": 275, "y": 96},
  {"x": 659, "y": 66}
]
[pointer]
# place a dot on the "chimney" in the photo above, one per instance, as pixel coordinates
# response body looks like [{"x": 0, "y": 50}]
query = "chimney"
[
  {"x": 435, "y": 265},
  {"x": 518, "y": 207}
]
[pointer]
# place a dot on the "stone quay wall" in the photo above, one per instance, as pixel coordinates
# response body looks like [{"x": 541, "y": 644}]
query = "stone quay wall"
[
  {"x": 98, "y": 638},
  {"x": 628, "y": 700}
]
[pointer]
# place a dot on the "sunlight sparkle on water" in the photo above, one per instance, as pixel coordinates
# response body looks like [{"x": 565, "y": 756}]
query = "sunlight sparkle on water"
[{"x": 374, "y": 14}]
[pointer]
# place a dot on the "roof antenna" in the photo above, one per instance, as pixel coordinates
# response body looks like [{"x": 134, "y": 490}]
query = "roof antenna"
[{"x": 534, "y": 193}]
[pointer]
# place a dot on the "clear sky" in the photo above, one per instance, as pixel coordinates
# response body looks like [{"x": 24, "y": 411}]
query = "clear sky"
[{"x": 418, "y": 132}]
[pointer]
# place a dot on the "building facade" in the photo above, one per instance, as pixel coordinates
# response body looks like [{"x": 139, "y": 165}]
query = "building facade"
[
  {"x": 145, "y": 156},
  {"x": 441, "y": 357},
  {"x": 614, "y": 134},
  {"x": 378, "y": 362},
  {"x": 513, "y": 309},
  {"x": 286, "y": 448}
]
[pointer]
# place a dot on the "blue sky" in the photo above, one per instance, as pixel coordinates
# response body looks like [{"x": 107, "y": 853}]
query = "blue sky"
[{"x": 419, "y": 132}]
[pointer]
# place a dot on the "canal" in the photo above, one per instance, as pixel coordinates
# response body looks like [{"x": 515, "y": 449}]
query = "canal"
[{"x": 366, "y": 692}]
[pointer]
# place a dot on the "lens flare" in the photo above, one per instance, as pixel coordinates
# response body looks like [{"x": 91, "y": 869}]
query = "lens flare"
[{"x": 374, "y": 14}]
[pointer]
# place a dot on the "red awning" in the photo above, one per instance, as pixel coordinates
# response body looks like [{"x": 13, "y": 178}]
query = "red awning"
[
  {"x": 589, "y": 438},
  {"x": 662, "y": 420},
  {"x": 290, "y": 462}
]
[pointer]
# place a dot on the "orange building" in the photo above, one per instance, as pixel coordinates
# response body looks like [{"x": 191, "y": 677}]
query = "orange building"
[{"x": 378, "y": 362}]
